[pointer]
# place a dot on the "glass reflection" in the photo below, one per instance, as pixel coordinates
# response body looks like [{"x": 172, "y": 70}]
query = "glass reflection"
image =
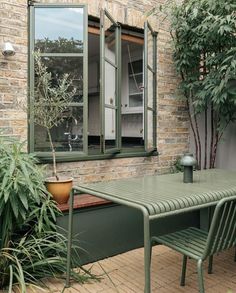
[
  {"x": 58, "y": 66},
  {"x": 59, "y": 30},
  {"x": 67, "y": 137}
]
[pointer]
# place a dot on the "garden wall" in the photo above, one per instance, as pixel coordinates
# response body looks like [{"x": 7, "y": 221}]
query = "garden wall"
[
  {"x": 172, "y": 120},
  {"x": 225, "y": 157}
]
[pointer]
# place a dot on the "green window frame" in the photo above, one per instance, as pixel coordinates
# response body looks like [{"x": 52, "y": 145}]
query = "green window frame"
[
  {"x": 150, "y": 95},
  {"x": 82, "y": 55},
  {"x": 106, "y": 105},
  {"x": 116, "y": 151}
]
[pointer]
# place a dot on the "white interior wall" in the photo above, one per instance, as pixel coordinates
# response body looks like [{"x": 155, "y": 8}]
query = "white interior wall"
[
  {"x": 226, "y": 155},
  {"x": 110, "y": 94},
  {"x": 132, "y": 124}
]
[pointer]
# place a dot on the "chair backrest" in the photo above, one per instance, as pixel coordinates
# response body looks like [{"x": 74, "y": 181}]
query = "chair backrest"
[{"x": 222, "y": 233}]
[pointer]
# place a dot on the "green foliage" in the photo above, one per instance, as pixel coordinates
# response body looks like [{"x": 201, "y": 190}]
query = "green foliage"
[
  {"x": 61, "y": 45},
  {"x": 205, "y": 51},
  {"x": 50, "y": 100},
  {"x": 204, "y": 35},
  {"x": 22, "y": 193},
  {"x": 177, "y": 167},
  {"x": 30, "y": 245}
]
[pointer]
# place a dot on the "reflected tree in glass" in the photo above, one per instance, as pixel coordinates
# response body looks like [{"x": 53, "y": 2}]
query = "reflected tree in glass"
[
  {"x": 61, "y": 45},
  {"x": 50, "y": 101}
]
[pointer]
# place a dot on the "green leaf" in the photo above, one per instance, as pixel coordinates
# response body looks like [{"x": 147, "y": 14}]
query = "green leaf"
[
  {"x": 24, "y": 200},
  {"x": 14, "y": 206}
]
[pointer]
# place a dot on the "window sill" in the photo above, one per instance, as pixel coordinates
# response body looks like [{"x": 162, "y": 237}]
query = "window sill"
[
  {"x": 84, "y": 201},
  {"x": 73, "y": 157}
]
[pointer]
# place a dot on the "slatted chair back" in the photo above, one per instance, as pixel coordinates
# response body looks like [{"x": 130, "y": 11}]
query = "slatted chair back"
[{"x": 222, "y": 233}]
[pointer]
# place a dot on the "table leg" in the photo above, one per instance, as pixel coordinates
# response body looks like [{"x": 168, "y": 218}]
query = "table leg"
[
  {"x": 69, "y": 245},
  {"x": 147, "y": 256}
]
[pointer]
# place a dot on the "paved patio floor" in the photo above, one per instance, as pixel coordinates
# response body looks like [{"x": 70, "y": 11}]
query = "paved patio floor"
[{"x": 124, "y": 274}]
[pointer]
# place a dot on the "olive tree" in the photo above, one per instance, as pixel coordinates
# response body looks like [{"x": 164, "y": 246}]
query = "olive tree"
[{"x": 50, "y": 101}]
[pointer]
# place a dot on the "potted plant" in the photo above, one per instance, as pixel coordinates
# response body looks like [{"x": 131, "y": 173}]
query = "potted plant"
[
  {"x": 32, "y": 246},
  {"x": 50, "y": 103}
]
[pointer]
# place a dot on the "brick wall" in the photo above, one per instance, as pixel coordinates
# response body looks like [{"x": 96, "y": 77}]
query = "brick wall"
[
  {"x": 172, "y": 127},
  {"x": 13, "y": 70}
]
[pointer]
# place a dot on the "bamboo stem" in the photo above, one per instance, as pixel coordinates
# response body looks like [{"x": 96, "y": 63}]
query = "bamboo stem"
[
  {"x": 198, "y": 139},
  {"x": 192, "y": 128},
  {"x": 191, "y": 122},
  {"x": 212, "y": 135},
  {"x": 206, "y": 130}
]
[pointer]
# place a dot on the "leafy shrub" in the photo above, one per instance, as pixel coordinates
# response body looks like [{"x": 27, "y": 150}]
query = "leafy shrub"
[
  {"x": 177, "y": 167},
  {"x": 204, "y": 39},
  {"x": 30, "y": 245}
]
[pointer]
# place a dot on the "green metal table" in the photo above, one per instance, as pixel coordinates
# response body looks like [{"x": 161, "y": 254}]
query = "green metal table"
[{"x": 158, "y": 196}]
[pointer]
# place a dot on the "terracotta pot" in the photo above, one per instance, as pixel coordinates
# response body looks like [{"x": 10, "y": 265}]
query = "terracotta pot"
[{"x": 60, "y": 189}]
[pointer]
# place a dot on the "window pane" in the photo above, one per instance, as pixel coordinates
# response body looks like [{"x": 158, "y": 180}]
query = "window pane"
[
  {"x": 136, "y": 100},
  {"x": 59, "y": 30},
  {"x": 135, "y": 83},
  {"x": 110, "y": 128},
  {"x": 135, "y": 70},
  {"x": 110, "y": 39},
  {"x": 150, "y": 48},
  {"x": 150, "y": 99},
  {"x": 94, "y": 122},
  {"x": 150, "y": 89},
  {"x": 132, "y": 130},
  {"x": 150, "y": 141},
  {"x": 67, "y": 65},
  {"x": 110, "y": 47},
  {"x": 132, "y": 95},
  {"x": 110, "y": 84},
  {"x": 136, "y": 66},
  {"x": 67, "y": 137}
]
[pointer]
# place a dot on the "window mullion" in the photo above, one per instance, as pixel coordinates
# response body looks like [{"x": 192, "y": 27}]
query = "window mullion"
[
  {"x": 155, "y": 89},
  {"x": 118, "y": 86},
  {"x": 108, "y": 135},
  {"x": 145, "y": 66},
  {"x": 149, "y": 135},
  {"x": 61, "y": 54}
]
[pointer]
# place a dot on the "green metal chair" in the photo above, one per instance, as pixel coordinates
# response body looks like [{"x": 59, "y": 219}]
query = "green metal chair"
[{"x": 199, "y": 244}]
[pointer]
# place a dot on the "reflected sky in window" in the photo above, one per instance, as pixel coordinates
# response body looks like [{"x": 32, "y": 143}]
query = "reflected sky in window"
[{"x": 55, "y": 23}]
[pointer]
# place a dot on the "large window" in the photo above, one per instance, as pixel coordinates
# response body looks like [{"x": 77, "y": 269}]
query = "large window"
[{"x": 113, "y": 70}]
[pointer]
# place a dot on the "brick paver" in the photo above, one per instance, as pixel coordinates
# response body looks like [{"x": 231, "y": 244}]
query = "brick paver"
[{"x": 124, "y": 274}]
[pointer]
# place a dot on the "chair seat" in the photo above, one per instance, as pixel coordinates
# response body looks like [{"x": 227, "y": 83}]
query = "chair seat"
[{"x": 190, "y": 241}]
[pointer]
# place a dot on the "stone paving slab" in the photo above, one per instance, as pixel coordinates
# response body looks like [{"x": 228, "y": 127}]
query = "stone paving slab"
[{"x": 124, "y": 274}]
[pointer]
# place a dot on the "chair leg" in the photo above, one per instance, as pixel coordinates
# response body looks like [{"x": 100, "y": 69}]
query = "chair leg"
[
  {"x": 210, "y": 265},
  {"x": 152, "y": 242},
  {"x": 235, "y": 255},
  {"x": 200, "y": 276},
  {"x": 183, "y": 274}
]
